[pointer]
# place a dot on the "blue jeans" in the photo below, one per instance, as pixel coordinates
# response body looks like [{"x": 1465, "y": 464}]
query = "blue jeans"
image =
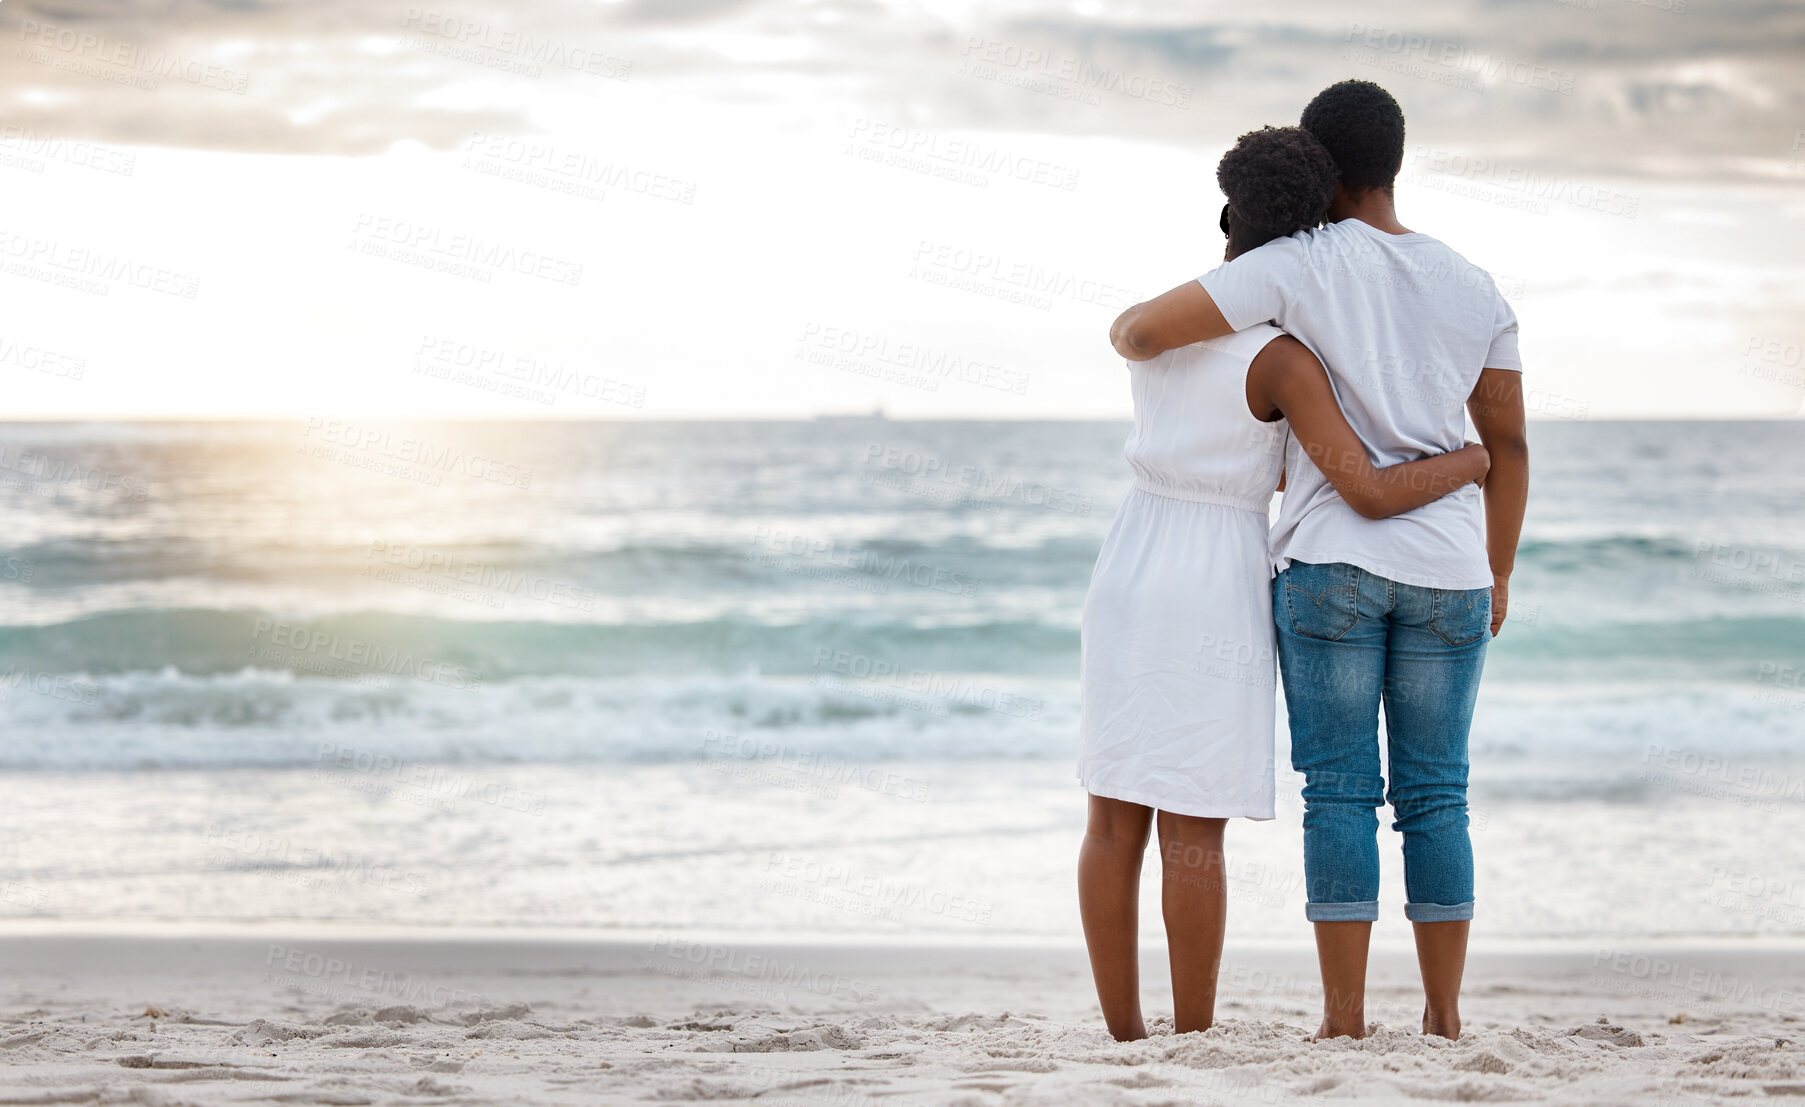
[{"x": 1349, "y": 640}]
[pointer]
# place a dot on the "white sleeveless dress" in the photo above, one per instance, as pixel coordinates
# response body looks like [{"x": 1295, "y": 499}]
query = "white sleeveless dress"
[{"x": 1178, "y": 648}]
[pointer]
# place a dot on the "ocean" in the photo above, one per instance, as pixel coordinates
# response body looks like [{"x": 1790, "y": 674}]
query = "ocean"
[{"x": 806, "y": 677}]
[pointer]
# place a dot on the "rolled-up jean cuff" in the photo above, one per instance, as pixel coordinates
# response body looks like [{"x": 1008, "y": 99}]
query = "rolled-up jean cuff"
[
  {"x": 1438, "y": 912},
  {"x": 1343, "y": 912}
]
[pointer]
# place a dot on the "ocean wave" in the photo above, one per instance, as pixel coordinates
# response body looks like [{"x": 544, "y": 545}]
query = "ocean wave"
[
  {"x": 371, "y": 645},
  {"x": 364, "y": 645},
  {"x": 171, "y": 720},
  {"x": 1562, "y": 741}
]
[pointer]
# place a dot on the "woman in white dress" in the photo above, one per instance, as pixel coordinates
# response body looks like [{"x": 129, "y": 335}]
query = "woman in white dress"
[{"x": 1178, "y": 647}]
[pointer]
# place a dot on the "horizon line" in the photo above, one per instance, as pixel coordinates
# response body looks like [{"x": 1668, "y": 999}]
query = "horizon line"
[{"x": 818, "y": 417}]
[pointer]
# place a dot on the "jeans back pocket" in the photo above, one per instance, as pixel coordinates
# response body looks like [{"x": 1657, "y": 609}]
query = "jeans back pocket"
[
  {"x": 1462, "y": 616},
  {"x": 1322, "y": 601}
]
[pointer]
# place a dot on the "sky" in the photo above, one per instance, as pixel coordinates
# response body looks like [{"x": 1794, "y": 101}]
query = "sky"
[{"x": 779, "y": 208}]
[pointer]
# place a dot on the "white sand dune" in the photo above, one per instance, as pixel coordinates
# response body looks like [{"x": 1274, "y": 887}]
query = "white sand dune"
[{"x": 294, "y": 1019}]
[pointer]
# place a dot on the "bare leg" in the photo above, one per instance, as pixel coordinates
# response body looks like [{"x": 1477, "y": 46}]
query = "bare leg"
[
  {"x": 1441, "y": 954},
  {"x": 1194, "y": 901},
  {"x": 1109, "y": 894},
  {"x": 1341, "y": 953}
]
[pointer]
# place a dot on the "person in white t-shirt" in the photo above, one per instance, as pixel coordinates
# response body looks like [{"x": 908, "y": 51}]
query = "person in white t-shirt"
[
  {"x": 1369, "y": 612},
  {"x": 1178, "y": 654}
]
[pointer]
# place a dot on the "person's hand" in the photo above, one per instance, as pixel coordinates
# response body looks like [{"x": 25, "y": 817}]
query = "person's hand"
[
  {"x": 1500, "y": 601},
  {"x": 1485, "y": 458}
]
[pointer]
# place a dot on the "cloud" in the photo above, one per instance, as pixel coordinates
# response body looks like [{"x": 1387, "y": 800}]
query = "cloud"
[
  {"x": 1710, "y": 90},
  {"x": 679, "y": 11}
]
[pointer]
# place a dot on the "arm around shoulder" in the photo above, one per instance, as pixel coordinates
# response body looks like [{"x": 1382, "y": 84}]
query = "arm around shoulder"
[
  {"x": 1250, "y": 287},
  {"x": 1184, "y": 315}
]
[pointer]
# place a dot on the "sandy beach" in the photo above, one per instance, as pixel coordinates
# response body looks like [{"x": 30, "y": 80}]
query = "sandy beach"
[
  {"x": 604, "y": 553},
  {"x": 261, "y": 1015}
]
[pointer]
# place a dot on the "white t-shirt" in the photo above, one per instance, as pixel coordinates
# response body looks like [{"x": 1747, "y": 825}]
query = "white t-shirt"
[{"x": 1404, "y": 326}]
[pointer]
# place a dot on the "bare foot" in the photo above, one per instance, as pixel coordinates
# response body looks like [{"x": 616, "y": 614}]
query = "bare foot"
[
  {"x": 1442, "y": 1026},
  {"x": 1337, "y": 1030},
  {"x": 1134, "y": 1033}
]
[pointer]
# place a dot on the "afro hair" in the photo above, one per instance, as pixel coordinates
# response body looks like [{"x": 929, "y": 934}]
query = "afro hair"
[
  {"x": 1363, "y": 129},
  {"x": 1278, "y": 180}
]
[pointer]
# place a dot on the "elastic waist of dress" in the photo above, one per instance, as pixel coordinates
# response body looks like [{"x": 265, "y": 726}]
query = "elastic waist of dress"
[{"x": 1203, "y": 496}]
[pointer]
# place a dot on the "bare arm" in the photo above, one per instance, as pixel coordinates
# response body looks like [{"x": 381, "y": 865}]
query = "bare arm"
[
  {"x": 1496, "y": 406},
  {"x": 1172, "y": 319},
  {"x": 1286, "y": 379}
]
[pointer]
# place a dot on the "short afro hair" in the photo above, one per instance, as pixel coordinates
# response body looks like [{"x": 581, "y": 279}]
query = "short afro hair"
[
  {"x": 1363, "y": 129},
  {"x": 1278, "y": 181}
]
